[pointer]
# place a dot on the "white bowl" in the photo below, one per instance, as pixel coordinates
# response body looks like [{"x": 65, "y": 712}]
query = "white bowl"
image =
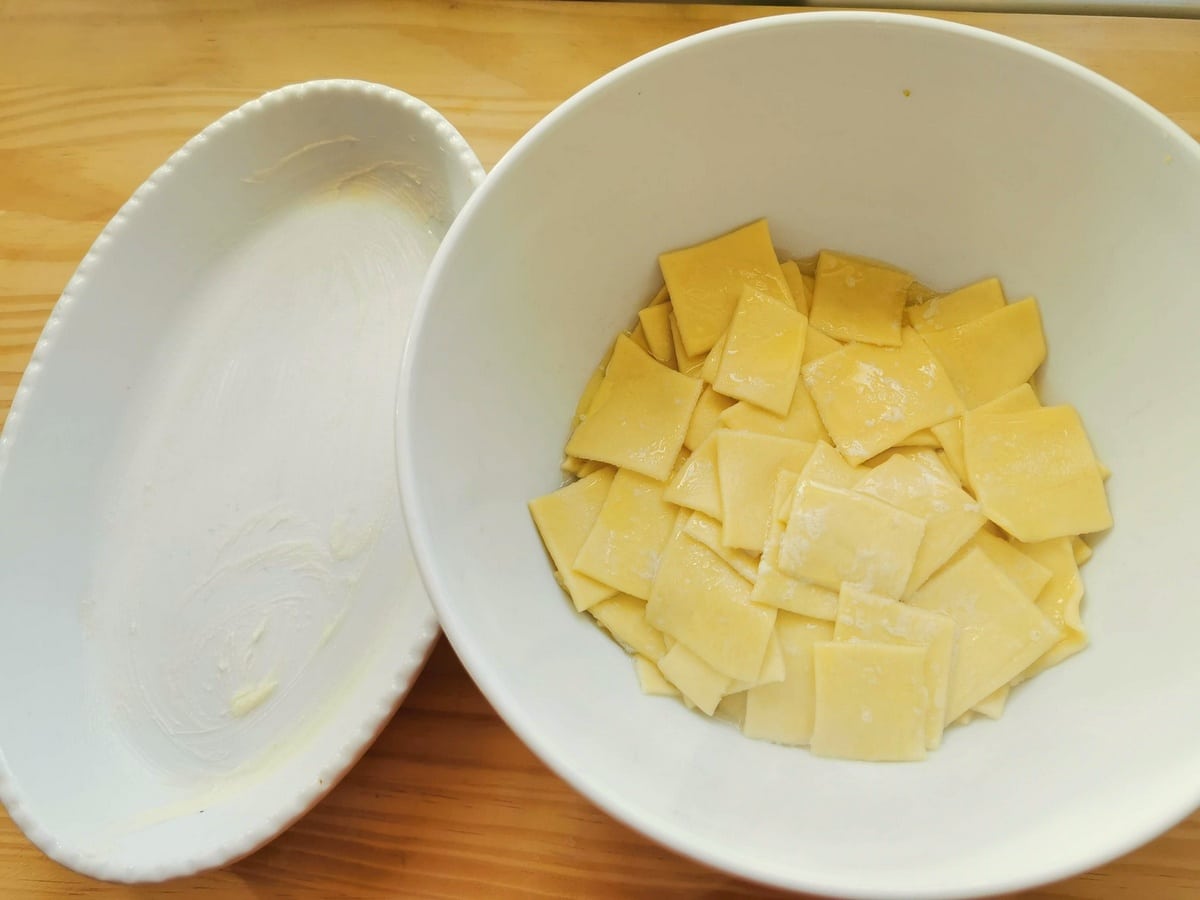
[
  {"x": 209, "y": 602},
  {"x": 958, "y": 154}
]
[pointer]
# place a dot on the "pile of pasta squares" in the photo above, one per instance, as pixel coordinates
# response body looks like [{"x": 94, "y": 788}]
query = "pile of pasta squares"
[{"x": 825, "y": 502}]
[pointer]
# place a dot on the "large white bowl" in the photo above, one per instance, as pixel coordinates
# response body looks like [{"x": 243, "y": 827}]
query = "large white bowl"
[{"x": 951, "y": 151}]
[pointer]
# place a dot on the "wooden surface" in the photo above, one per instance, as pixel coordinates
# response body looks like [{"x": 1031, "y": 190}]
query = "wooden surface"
[{"x": 94, "y": 94}]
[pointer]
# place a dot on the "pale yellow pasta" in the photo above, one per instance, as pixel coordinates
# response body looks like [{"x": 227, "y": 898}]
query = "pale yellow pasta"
[{"x": 823, "y": 503}]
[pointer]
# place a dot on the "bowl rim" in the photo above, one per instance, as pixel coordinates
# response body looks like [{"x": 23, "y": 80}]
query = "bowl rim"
[
  {"x": 383, "y": 703},
  {"x": 1138, "y": 831}
]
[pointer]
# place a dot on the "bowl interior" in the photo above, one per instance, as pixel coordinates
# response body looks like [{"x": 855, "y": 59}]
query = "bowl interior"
[{"x": 954, "y": 153}]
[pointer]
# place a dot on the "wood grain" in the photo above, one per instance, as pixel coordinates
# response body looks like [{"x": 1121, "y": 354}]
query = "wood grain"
[{"x": 94, "y": 94}]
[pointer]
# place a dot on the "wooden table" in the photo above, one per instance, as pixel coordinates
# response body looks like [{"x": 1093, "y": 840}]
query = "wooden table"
[{"x": 94, "y": 94}]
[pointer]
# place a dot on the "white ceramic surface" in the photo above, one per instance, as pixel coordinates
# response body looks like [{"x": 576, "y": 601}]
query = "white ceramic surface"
[
  {"x": 210, "y": 604},
  {"x": 958, "y": 154}
]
